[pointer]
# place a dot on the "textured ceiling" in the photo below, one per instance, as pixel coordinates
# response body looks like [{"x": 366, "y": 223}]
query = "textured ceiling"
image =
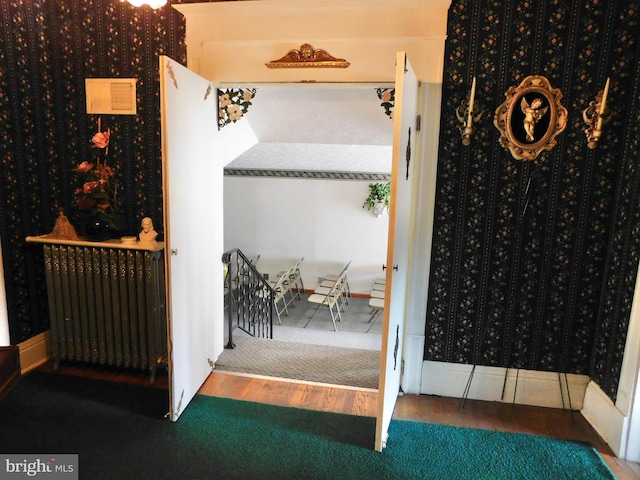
[{"x": 318, "y": 128}]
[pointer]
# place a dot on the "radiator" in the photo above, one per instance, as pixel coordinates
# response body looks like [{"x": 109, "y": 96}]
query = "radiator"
[{"x": 106, "y": 306}]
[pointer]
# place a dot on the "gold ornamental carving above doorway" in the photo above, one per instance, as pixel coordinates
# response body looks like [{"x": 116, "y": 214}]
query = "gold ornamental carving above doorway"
[{"x": 308, "y": 57}]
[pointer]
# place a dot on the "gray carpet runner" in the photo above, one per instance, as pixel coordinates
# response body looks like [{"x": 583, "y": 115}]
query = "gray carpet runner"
[{"x": 353, "y": 367}]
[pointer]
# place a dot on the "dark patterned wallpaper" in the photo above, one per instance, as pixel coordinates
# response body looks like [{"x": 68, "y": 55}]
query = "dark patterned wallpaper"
[
  {"x": 534, "y": 262},
  {"x": 47, "y": 49}
]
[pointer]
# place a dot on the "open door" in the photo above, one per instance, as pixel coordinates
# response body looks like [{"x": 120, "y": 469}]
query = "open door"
[
  {"x": 193, "y": 219},
  {"x": 400, "y": 212}
]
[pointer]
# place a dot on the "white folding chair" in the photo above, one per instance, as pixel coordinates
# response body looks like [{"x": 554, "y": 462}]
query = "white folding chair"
[
  {"x": 333, "y": 278},
  {"x": 377, "y": 305},
  {"x": 331, "y": 299},
  {"x": 329, "y": 280},
  {"x": 377, "y": 294},
  {"x": 379, "y": 284},
  {"x": 332, "y": 296},
  {"x": 295, "y": 281},
  {"x": 280, "y": 288}
]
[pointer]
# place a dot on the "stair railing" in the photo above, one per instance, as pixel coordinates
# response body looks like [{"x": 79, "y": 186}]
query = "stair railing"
[{"x": 248, "y": 297}]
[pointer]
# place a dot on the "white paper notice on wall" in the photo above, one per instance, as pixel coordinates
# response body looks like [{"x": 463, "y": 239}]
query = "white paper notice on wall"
[{"x": 114, "y": 96}]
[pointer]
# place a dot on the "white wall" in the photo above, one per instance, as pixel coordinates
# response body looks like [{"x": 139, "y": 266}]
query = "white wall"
[{"x": 284, "y": 219}]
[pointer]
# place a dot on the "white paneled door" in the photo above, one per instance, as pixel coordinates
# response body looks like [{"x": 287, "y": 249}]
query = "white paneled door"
[
  {"x": 398, "y": 247},
  {"x": 193, "y": 217}
]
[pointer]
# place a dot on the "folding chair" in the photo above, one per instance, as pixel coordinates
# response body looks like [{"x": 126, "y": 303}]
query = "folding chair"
[
  {"x": 331, "y": 279},
  {"x": 377, "y": 305},
  {"x": 280, "y": 288},
  {"x": 331, "y": 299},
  {"x": 295, "y": 280}
]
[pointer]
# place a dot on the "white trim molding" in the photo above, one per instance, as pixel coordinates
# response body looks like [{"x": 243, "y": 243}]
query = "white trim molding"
[
  {"x": 413, "y": 351},
  {"x": 605, "y": 418},
  {"x": 525, "y": 387},
  {"x": 619, "y": 424}
]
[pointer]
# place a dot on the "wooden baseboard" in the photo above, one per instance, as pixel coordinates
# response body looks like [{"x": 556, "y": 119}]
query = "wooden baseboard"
[{"x": 34, "y": 352}]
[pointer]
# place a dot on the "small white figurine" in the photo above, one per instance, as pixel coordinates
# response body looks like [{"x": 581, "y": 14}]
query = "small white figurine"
[{"x": 147, "y": 234}]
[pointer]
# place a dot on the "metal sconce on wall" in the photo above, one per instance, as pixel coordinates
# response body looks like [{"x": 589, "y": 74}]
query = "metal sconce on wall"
[
  {"x": 596, "y": 115},
  {"x": 468, "y": 113}
]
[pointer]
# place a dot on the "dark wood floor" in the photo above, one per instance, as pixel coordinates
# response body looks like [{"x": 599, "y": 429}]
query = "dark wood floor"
[{"x": 476, "y": 414}]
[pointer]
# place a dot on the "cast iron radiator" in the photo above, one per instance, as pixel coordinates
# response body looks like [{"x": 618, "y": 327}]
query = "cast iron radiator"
[{"x": 106, "y": 306}]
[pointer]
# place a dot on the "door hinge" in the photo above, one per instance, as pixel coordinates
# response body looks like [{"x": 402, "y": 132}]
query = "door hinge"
[
  {"x": 418, "y": 121},
  {"x": 401, "y": 367}
]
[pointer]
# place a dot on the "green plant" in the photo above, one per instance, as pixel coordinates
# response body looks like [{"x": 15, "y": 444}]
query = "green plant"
[{"x": 378, "y": 192}]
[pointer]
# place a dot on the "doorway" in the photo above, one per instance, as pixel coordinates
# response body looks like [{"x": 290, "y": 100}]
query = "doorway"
[{"x": 301, "y": 189}]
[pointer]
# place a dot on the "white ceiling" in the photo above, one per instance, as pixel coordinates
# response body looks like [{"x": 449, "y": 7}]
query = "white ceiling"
[{"x": 324, "y": 128}]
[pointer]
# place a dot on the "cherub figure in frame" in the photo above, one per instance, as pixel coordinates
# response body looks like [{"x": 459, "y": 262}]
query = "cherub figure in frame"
[{"x": 532, "y": 115}]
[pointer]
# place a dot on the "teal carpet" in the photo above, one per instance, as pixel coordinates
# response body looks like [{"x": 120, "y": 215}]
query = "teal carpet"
[{"x": 119, "y": 433}]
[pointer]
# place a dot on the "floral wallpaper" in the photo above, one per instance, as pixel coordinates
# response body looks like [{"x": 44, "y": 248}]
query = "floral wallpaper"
[
  {"x": 534, "y": 262},
  {"x": 47, "y": 50}
]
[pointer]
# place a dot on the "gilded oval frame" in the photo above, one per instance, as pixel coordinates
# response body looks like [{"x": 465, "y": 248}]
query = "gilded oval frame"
[{"x": 530, "y": 118}]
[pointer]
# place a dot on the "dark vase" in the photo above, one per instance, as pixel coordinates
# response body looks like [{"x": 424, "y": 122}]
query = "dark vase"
[{"x": 98, "y": 230}]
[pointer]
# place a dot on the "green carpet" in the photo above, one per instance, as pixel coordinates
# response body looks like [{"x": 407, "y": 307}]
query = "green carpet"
[{"x": 119, "y": 433}]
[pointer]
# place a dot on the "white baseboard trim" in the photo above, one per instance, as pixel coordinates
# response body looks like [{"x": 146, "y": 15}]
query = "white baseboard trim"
[
  {"x": 413, "y": 353},
  {"x": 606, "y": 419},
  {"x": 541, "y": 389},
  {"x": 34, "y": 352}
]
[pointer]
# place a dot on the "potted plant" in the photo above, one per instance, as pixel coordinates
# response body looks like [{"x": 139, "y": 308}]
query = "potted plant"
[
  {"x": 96, "y": 198},
  {"x": 378, "y": 199}
]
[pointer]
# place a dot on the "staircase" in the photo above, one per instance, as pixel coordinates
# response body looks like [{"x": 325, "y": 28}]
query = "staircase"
[
  {"x": 248, "y": 297},
  {"x": 9, "y": 368}
]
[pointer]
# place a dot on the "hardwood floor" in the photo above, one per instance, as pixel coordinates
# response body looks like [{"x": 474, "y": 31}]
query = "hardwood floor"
[{"x": 285, "y": 393}]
